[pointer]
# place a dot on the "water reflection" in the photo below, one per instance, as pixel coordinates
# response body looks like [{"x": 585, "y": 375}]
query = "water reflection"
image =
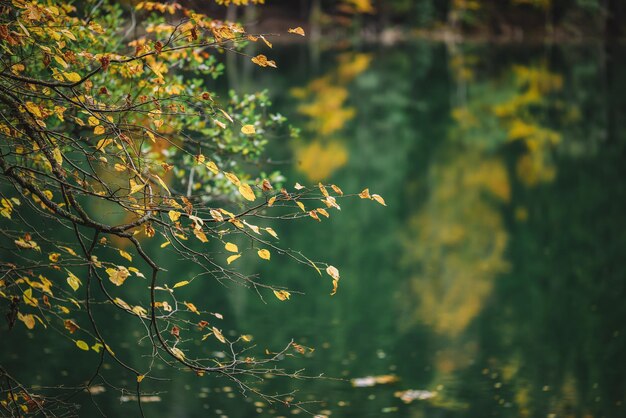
[
  {"x": 323, "y": 101},
  {"x": 491, "y": 285}
]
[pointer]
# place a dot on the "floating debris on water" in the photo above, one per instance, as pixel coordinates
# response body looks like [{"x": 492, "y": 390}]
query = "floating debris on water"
[
  {"x": 408, "y": 396},
  {"x": 368, "y": 381},
  {"x": 145, "y": 398}
]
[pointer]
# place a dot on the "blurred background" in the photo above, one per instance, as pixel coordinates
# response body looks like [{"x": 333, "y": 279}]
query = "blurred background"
[{"x": 492, "y": 285}]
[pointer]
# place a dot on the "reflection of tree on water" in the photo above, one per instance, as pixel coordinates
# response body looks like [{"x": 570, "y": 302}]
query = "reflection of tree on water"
[
  {"x": 458, "y": 240},
  {"x": 325, "y": 105},
  {"x": 525, "y": 322}
]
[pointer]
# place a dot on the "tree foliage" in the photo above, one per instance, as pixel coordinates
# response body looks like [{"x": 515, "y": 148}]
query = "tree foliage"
[{"x": 115, "y": 154}]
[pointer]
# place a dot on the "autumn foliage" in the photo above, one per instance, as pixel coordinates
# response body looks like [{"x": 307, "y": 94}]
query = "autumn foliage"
[{"x": 115, "y": 154}]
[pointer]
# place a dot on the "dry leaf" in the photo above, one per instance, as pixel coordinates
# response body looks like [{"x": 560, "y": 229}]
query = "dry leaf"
[
  {"x": 282, "y": 294},
  {"x": 379, "y": 199},
  {"x": 297, "y": 31}
]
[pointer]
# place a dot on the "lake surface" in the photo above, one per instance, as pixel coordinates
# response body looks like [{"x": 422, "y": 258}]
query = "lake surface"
[{"x": 492, "y": 284}]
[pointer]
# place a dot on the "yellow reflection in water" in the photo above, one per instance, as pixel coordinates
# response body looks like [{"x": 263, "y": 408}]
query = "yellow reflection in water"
[
  {"x": 458, "y": 240},
  {"x": 324, "y": 103}
]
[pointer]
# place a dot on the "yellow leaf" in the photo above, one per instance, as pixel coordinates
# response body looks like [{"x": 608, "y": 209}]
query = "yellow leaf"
[
  {"x": 61, "y": 61},
  {"x": 323, "y": 212},
  {"x": 248, "y": 129},
  {"x": 118, "y": 276},
  {"x": 255, "y": 228},
  {"x": 322, "y": 189},
  {"x": 151, "y": 136},
  {"x": 231, "y": 247},
  {"x": 282, "y": 294},
  {"x": 73, "y": 77},
  {"x": 17, "y": 68},
  {"x": 174, "y": 215},
  {"x": 134, "y": 187},
  {"x": 297, "y": 31},
  {"x": 271, "y": 201},
  {"x": 178, "y": 353},
  {"x": 99, "y": 130},
  {"x": 232, "y": 258},
  {"x": 216, "y": 215},
  {"x": 264, "y": 254},
  {"x": 247, "y": 192},
  {"x": 29, "y": 299},
  {"x": 365, "y": 194},
  {"x": 226, "y": 115},
  {"x": 213, "y": 167},
  {"x": 233, "y": 178},
  {"x": 271, "y": 232},
  {"x": 227, "y": 213},
  {"x": 200, "y": 235},
  {"x": 126, "y": 255},
  {"x": 34, "y": 109},
  {"x": 73, "y": 281},
  {"x": 69, "y": 250},
  {"x": 261, "y": 60},
  {"x": 268, "y": 43},
  {"x": 140, "y": 310},
  {"x": 59, "y": 112},
  {"x": 313, "y": 214},
  {"x": 218, "y": 335},
  {"x": 58, "y": 157},
  {"x": 165, "y": 244},
  {"x": 298, "y": 186},
  {"x": 335, "y": 285},
  {"x": 93, "y": 121},
  {"x": 301, "y": 206},
  {"x": 181, "y": 284},
  {"x": 140, "y": 378},
  {"x": 331, "y": 202},
  {"x": 192, "y": 308},
  {"x": 102, "y": 144},
  {"x": 246, "y": 338},
  {"x": 333, "y": 272},
  {"x": 162, "y": 183},
  {"x": 379, "y": 199},
  {"x": 28, "y": 320},
  {"x": 82, "y": 345}
]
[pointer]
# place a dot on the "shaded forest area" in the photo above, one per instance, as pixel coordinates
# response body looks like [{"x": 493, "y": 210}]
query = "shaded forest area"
[{"x": 562, "y": 20}]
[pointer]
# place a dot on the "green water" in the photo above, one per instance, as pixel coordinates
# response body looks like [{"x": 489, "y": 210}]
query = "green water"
[{"x": 494, "y": 277}]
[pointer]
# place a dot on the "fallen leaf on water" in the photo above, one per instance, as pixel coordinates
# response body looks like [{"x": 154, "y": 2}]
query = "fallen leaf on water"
[
  {"x": 368, "y": 381},
  {"x": 408, "y": 396}
]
